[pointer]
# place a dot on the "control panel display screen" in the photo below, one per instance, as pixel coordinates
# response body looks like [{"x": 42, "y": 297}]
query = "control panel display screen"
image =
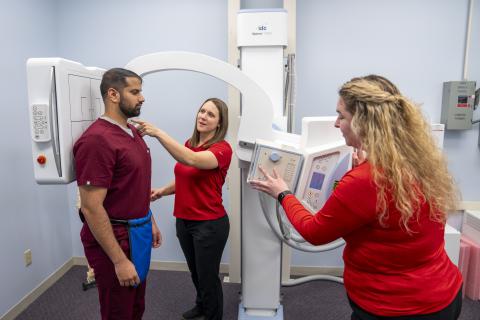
[{"x": 317, "y": 181}]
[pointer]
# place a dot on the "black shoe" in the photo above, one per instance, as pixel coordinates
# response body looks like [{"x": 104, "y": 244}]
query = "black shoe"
[{"x": 192, "y": 313}]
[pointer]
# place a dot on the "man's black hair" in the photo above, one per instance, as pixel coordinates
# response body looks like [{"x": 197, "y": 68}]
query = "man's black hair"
[{"x": 116, "y": 78}]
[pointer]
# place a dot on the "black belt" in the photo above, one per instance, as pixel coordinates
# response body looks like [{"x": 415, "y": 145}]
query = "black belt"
[{"x": 112, "y": 221}]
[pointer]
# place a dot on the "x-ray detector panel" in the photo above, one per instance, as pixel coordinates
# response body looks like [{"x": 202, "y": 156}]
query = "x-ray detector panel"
[{"x": 64, "y": 99}]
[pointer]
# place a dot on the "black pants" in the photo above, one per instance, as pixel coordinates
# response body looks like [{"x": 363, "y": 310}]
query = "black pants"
[
  {"x": 451, "y": 312},
  {"x": 202, "y": 243}
]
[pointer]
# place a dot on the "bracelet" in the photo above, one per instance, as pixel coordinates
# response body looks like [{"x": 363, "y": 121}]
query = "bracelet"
[{"x": 282, "y": 195}]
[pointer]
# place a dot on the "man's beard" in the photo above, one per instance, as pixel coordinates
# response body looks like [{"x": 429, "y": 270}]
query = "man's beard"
[{"x": 128, "y": 112}]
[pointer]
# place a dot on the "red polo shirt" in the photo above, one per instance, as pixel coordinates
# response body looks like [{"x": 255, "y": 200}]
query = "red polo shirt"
[{"x": 198, "y": 193}]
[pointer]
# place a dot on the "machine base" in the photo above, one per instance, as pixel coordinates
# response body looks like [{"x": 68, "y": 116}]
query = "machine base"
[{"x": 243, "y": 316}]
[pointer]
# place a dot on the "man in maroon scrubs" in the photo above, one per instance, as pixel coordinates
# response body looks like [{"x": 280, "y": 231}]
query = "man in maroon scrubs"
[{"x": 113, "y": 168}]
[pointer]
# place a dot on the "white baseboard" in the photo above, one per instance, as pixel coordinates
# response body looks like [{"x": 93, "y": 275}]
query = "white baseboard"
[
  {"x": 310, "y": 271},
  {"x": 156, "y": 265},
  {"x": 470, "y": 205},
  {"x": 178, "y": 266},
  {"x": 224, "y": 268},
  {"x": 14, "y": 311},
  {"x": 301, "y": 271},
  {"x": 79, "y": 261}
]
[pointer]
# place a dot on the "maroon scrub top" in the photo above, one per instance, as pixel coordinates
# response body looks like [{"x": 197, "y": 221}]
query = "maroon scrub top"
[{"x": 108, "y": 157}]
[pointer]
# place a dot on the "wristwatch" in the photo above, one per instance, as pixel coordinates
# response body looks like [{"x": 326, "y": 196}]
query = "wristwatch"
[{"x": 282, "y": 195}]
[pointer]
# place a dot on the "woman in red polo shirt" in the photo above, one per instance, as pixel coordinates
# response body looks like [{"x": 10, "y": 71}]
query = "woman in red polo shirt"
[
  {"x": 390, "y": 209},
  {"x": 202, "y": 222}
]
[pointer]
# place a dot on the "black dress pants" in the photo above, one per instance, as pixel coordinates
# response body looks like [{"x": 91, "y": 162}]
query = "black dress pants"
[
  {"x": 202, "y": 243},
  {"x": 451, "y": 312}
]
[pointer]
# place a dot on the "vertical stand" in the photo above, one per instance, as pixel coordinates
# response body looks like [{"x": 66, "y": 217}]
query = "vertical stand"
[{"x": 261, "y": 37}]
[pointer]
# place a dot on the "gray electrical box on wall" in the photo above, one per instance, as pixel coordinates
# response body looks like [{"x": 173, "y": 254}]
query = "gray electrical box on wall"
[{"x": 457, "y": 104}]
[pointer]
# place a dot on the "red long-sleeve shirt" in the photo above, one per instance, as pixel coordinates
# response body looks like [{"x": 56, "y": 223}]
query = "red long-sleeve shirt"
[{"x": 388, "y": 271}]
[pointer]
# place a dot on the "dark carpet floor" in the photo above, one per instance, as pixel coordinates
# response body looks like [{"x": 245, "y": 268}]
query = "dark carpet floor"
[{"x": 171, "y": 292}]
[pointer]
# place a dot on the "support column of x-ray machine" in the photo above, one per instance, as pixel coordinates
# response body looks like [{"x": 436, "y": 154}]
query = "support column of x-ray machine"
[{"x": 262, "y": 37}]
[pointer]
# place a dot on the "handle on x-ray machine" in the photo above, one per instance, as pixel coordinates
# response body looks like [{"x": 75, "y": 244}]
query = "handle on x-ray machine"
[
  {"x": 293, "y": 241},
  {"x": 52, "y": 105},
  {"x": 299, "y": 244}
]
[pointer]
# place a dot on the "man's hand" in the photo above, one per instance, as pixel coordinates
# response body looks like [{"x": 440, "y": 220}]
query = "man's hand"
[
  {"x": 156, "y": 194},
  {"x": 156, "y": 235},
  {"x": 99, "y": 223},
  {"x": 126, "y": 273}
]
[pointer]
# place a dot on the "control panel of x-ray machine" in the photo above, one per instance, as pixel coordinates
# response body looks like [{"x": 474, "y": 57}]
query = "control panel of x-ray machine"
[
  {"x": 324, "y": 167},
  {"x": 312, "y": 172},
  {"x": 287, "y": 163},
  {"x": 64, "y": 99}
]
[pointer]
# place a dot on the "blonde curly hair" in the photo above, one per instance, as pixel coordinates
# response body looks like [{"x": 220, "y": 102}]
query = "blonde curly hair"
[{"x": 405, "y": 160}]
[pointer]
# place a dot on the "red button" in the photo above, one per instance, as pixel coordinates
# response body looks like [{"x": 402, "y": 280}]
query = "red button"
[{"x": 41, "y": 159}]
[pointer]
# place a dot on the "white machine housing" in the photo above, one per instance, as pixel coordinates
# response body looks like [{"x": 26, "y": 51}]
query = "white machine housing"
[
  {"x": 261, "y": 38},
  {"x": 327, "y": 158},
  {"x": 314, "y": 164},
  {"x": 324, "y": 166},
  {"x": 452, "y": 243},
  {"x": 438, "y": 133},
  {"x": 64, "y": 99},
  {"x": 262, "y": 27},
  {"x": 293, "y": 161},
  {"x": 471, "y": 225}
]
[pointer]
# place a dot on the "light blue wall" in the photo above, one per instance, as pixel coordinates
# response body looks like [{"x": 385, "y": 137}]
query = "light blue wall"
[
  {"x": 416, "y": 44},
  {"x": 33, "y": 217},
  {"x": 110, "y": 33},
  {"x": 462, "y": 147}
]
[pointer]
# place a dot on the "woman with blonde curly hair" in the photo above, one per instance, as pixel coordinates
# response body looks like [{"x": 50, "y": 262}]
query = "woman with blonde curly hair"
[{"x": 391, "y": 208}]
